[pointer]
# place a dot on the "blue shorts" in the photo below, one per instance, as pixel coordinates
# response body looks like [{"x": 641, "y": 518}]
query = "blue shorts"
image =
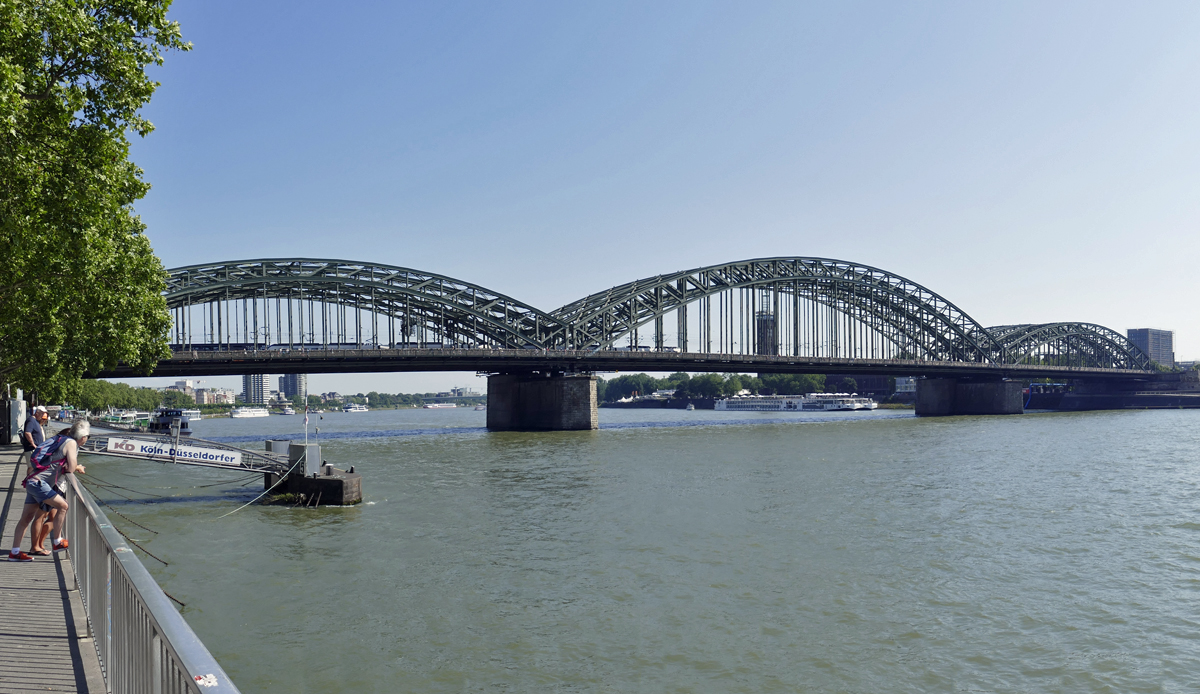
[{"x": 38, "y": 492}]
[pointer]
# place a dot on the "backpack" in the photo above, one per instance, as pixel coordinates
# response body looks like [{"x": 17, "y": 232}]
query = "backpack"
[{"x": 39, "y": 459}]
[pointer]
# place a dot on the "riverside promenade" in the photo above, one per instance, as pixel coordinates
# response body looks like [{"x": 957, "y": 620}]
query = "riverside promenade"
[{"x": 44, "y": 639}]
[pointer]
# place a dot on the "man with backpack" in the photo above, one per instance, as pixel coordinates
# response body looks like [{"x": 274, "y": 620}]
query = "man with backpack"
[
  {"x": 55, "y": 457},
  {"x": 32, "y": 433}
]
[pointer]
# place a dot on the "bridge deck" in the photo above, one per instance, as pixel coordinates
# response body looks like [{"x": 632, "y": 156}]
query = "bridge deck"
[
  {"x": 240, "y": 362},
  {"x": 44, "y": 640}
]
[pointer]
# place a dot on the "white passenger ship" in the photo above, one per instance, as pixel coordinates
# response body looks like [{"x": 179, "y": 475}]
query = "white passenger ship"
[
  {"x": 354, "y": 407},
  {"x": 813, "y": 402},
  {"x": 239, "y": 412}
]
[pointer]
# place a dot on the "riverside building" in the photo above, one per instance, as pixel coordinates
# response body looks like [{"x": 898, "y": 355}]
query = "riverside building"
[
  {"x": 256, "y": 388},
  {"x": 1159, "y": 345},
  {"x": 291, "y": 385}
]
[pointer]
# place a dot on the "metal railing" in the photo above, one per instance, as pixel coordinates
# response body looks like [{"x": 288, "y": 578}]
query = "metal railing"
[
  {"x": 479, "y": 358},
  {"x": 144, "y": 644}
]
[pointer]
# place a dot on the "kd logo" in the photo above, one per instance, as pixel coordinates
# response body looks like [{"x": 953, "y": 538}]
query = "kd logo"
[{"x": 124, "y": 446}]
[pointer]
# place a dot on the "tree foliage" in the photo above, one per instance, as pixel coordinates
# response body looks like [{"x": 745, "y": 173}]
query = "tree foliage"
[
  {"x": 846, "y": 385},
  {"x": 80, "y": 286},
  {"x": 377, "y": 399},
  {"x": 792, "y": 384},
  {"x": 99, "y": 395},
  {"x": 176, "y": 398},
  {"x": 709, "y": 385}
]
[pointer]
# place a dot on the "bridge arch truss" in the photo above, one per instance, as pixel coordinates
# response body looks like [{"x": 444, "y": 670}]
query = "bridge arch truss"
[
  {"x": 789, "y": 305},
  {"x": 785, "y": 306},
  {"x": 1069, "y": 344},
  {"x": 304, "y": 302}
]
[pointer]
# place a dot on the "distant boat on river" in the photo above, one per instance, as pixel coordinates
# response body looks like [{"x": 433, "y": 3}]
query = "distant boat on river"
[{"x": 813, "y": 402}]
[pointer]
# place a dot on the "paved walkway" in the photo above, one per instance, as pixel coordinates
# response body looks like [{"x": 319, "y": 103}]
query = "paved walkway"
[{"x": 44, "y": 640}]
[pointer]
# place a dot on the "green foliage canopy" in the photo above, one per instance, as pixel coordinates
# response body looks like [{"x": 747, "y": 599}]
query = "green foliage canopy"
[
  {"x": 846, "y": 385},
  {"x": 175, "y": 398},
  {"x": 80, "y": 286},
  {"x": 98, "y": 395},
  {"x": 628, "y": 384},
  {"x": 791, "y": 384},
  {"x": 709, "y": 385}
]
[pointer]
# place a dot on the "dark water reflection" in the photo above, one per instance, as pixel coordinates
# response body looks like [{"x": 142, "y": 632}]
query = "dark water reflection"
[{"x": 688, "y": 552}]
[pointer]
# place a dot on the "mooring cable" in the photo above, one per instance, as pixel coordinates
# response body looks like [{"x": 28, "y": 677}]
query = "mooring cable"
[
  {"x": 181, "y": 603},
  {"x": 131, "y": 541},
  {"x": 248, "y": 478},
  {"x": 110, "y": 508},
  {"x": 93, "y": 488},
  {"x": 106, "y": 483},
  {"x": 282, "y": 477}
]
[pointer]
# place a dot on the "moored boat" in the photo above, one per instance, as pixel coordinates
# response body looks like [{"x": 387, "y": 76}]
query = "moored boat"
[
  {"x": 161, "y": 422},
  {"x": 813, "y": 402},
  {"x": 355, "y": 407},
  {"x": 241, "y": 412}
]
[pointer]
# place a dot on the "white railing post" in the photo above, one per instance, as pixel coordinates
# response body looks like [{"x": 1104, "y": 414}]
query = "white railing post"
[{"x": 143, "y": 643}]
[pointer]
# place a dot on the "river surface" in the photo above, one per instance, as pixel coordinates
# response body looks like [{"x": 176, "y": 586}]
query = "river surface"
[{"x": 675, "y": 551}]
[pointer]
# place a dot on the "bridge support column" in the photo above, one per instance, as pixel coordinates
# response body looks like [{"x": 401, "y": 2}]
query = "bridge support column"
[
  {"x": 541, "y": 402},
  {"x": 938, "y": 397}
]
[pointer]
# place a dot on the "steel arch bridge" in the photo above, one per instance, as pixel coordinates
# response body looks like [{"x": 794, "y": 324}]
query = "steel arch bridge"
[
  {"x": 341, "y": 302},
  {"x": 789, "y": 305},
  {"x": 774, "y": 313},
  {"x": 1069, "y": 344}
]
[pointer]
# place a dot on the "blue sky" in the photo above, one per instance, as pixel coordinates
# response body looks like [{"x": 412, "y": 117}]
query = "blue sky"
[{"x": 1031, "y": 162}]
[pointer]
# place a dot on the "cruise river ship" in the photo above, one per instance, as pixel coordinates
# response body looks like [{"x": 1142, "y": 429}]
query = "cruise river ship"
[{"x": 813, "y": 402}]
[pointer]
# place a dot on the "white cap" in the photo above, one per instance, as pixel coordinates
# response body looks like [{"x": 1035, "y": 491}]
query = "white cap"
[{"x": 39, "y": 408}]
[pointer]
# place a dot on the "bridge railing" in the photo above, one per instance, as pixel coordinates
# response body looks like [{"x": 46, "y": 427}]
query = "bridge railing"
[
  {"x": 144, "y": 644},
  {"x": 586, "y": 359}
]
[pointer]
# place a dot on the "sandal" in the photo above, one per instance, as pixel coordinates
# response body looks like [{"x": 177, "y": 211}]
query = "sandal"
[{"x": 40, "y": 553}]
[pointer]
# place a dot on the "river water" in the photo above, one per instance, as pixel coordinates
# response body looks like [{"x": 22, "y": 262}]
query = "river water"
[{"x": 697, "y": 552}]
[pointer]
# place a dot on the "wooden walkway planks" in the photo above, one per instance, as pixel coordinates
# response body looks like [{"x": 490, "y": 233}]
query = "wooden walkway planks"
[{"x": 44, "y": 640}]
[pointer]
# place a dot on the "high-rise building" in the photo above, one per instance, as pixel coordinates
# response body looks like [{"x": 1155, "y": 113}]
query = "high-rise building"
[
  {"x": 291, "y": 385},
  {"x": 1159, "y": 345},
  {"x": 766, "y": 340},
  {"x": 256, "y": 389}
]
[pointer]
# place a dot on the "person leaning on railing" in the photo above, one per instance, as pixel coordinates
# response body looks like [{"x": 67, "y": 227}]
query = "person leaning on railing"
[
  {"x": 41, "y": 490},
  {"x": 43, "y": 519}
]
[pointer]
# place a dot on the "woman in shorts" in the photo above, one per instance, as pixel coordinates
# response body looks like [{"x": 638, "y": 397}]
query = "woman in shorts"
[{"x": 41, "y": 490}]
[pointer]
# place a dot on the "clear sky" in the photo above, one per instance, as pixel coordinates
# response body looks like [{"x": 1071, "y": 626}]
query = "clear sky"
[{"x": 1031, "y": 162}]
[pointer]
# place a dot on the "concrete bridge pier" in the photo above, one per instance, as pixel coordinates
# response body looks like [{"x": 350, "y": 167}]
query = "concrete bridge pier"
[
  {"x": 551, "y": 401},
  {"x": 938, "y": 397}
]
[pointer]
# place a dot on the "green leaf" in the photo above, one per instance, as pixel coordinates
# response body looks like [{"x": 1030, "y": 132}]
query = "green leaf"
[{"x": 80, "y": 288}]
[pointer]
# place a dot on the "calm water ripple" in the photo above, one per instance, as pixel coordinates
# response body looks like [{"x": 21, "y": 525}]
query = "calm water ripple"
[{"x": 691, "y": 552}]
